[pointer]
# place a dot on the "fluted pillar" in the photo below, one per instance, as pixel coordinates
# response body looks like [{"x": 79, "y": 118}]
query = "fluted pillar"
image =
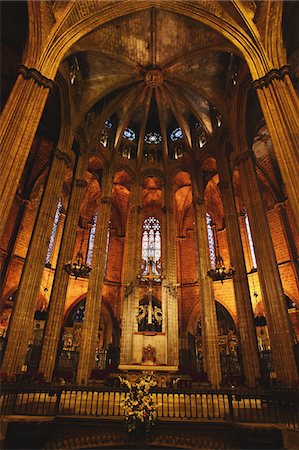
[
  {"x": 21, "y": 323},
  {"x": 132, "y": 261},
  {"x": 289, "y": 237},
  {"x": 23, "y": 204},
  {"x": 248, "y": 340},
  {"x": 272, "y": 291},
  {"x": 61, "y": 278},
  {"x": 207, "y": 300},
  {"x": 169, "y": 281},
  {"x": 280, "y": 106},
  {"x": 89, "y": 338},
  {"x": 18, "y": 124}
]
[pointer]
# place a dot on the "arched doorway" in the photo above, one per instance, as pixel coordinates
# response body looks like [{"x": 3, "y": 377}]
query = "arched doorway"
[
  {"x": 106, "y": 355},
  {"x": 230, "y": 357}
]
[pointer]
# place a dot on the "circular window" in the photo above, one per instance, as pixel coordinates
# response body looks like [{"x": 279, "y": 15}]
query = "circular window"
[
  {"x": 153, "y": 138},
  {"x": 176, "y": 134},
  {"x": 129, "y": 134}
]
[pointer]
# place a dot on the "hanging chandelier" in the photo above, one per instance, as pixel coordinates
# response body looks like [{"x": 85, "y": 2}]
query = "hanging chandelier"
[
  {"x": 78, "y": 268},
  {"x": 218, "y": 272}
]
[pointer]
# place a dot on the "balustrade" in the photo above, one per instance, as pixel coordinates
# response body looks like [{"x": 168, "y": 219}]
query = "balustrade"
[{"x": 280, "y": 407}]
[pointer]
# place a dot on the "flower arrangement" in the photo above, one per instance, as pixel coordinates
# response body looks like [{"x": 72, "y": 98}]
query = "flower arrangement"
[{"x": 139, "y": 406}]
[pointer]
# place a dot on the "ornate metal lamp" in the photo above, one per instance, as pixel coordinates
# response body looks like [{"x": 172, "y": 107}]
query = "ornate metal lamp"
[
  {"x": 219, "y": 272},
  {"x": 78, "y": 268}
]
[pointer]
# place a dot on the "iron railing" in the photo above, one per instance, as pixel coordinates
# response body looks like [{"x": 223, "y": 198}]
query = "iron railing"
[{"x": 279, "y": 407}]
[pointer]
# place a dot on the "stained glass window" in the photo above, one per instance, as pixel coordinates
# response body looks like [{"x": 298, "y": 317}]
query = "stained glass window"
[
  {"x": 108, "y": 123},
  {"x": 176, "y": 134},
  {"x": 153, "y": 138},
  {"x": 129, "y": 134},
  {"x": 80, "y": 313},
  {"x": 151, "y": 241},
  {"x": 54, "y": 230},
  {"x": 107, "y": 249},
  {"x": 211, "y": 240},
  {"x": 91, "y": 239},
  {"x": 251, "y": 246}
]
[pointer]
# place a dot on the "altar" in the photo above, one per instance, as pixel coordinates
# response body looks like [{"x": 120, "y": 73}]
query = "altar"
[{"x": 149, "y": 338}]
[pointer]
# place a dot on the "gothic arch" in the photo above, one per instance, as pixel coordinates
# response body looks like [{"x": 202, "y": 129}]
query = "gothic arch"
[
  {"x": 194, "y": 316},
  {"x": 67, "y": 32}
]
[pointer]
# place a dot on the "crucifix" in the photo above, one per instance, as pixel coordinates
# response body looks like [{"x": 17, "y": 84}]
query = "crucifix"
[{"x": 150, "y": 278}]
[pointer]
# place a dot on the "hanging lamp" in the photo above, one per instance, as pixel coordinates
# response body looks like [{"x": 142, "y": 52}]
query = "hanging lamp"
[
  {"x": 219, "y": 272},
  {"x": 78, "y": 268}
]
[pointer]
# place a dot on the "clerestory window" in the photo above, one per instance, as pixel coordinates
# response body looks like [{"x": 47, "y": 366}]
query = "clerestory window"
[
  {"x": 54, "y": 231},
  {"x": 91, "y": 239},
  {"x": 211, "y": 240},
  {"x": 251, "y": 246},
  {"x": 151, "y": 242}
]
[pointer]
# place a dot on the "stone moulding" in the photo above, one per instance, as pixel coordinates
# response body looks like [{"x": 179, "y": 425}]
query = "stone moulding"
[
  {"x": 63, "y": 156},
  {"x": 38, "y": 78},
  {"x": 81, "y": 183},
  {"x": 273, "y": 74},
  {"x": 243, "y": 157}
]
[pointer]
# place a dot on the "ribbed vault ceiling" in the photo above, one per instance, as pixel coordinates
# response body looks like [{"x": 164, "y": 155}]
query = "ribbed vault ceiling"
[{"x": 155, "y": 69}]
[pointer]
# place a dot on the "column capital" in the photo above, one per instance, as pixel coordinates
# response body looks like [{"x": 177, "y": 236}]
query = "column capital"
[
  {"x": 81, "y": 183},
  {"x": 25, "y": 202},
  {"x": 244, "y": 157},
  {"x": 199, "y": 201},
  {"x": 106, "y": 200},
  {"x": 273, "y": 74},
  {"x": 280, "y": 205},
  {"x": 38, "y": 78},
  {"x": 63, "y": 156}
]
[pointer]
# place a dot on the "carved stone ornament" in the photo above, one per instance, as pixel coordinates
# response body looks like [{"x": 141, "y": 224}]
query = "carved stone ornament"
[
  {"x": 63, "y": 156},
  {"x": 128, "y": 289},
  {"x": 81, "y": 183},
  {"x": 154, "y": 78},
  {"x": 172, "y": 289},
  {"x": 199, "y": 201},
  {"x": 39, "y": 79},
  {"x": 244, "y": 156},
  {"x": 106, "y": 200},
  {"x": 280, "y": 205},
  {"x": 273, "y": 74},
  {"x": 25, "y": 202}
]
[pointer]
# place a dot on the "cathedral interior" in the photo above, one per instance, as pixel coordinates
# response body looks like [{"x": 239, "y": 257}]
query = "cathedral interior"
[{"x": 149, "y": 207}]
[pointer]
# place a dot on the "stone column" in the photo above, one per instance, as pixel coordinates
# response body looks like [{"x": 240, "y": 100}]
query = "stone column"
[
  {"x": 132, "y": 262},
  {"x": 207, "y": 300},
  {"x": 272, "y": 292},
  {"x": 280, "y": 105},
  {"x": 61, "y": 278},
  {"x": 18, "y": 123},
  {"x": 285, "y": 223},
  {"x": 248, "y": 340},
  {"x": 23, "y": 203},
  {"x": 89, "y": 338},
  {"x": 169, "y": 283},
  {"x": 22, "y": 319}
]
